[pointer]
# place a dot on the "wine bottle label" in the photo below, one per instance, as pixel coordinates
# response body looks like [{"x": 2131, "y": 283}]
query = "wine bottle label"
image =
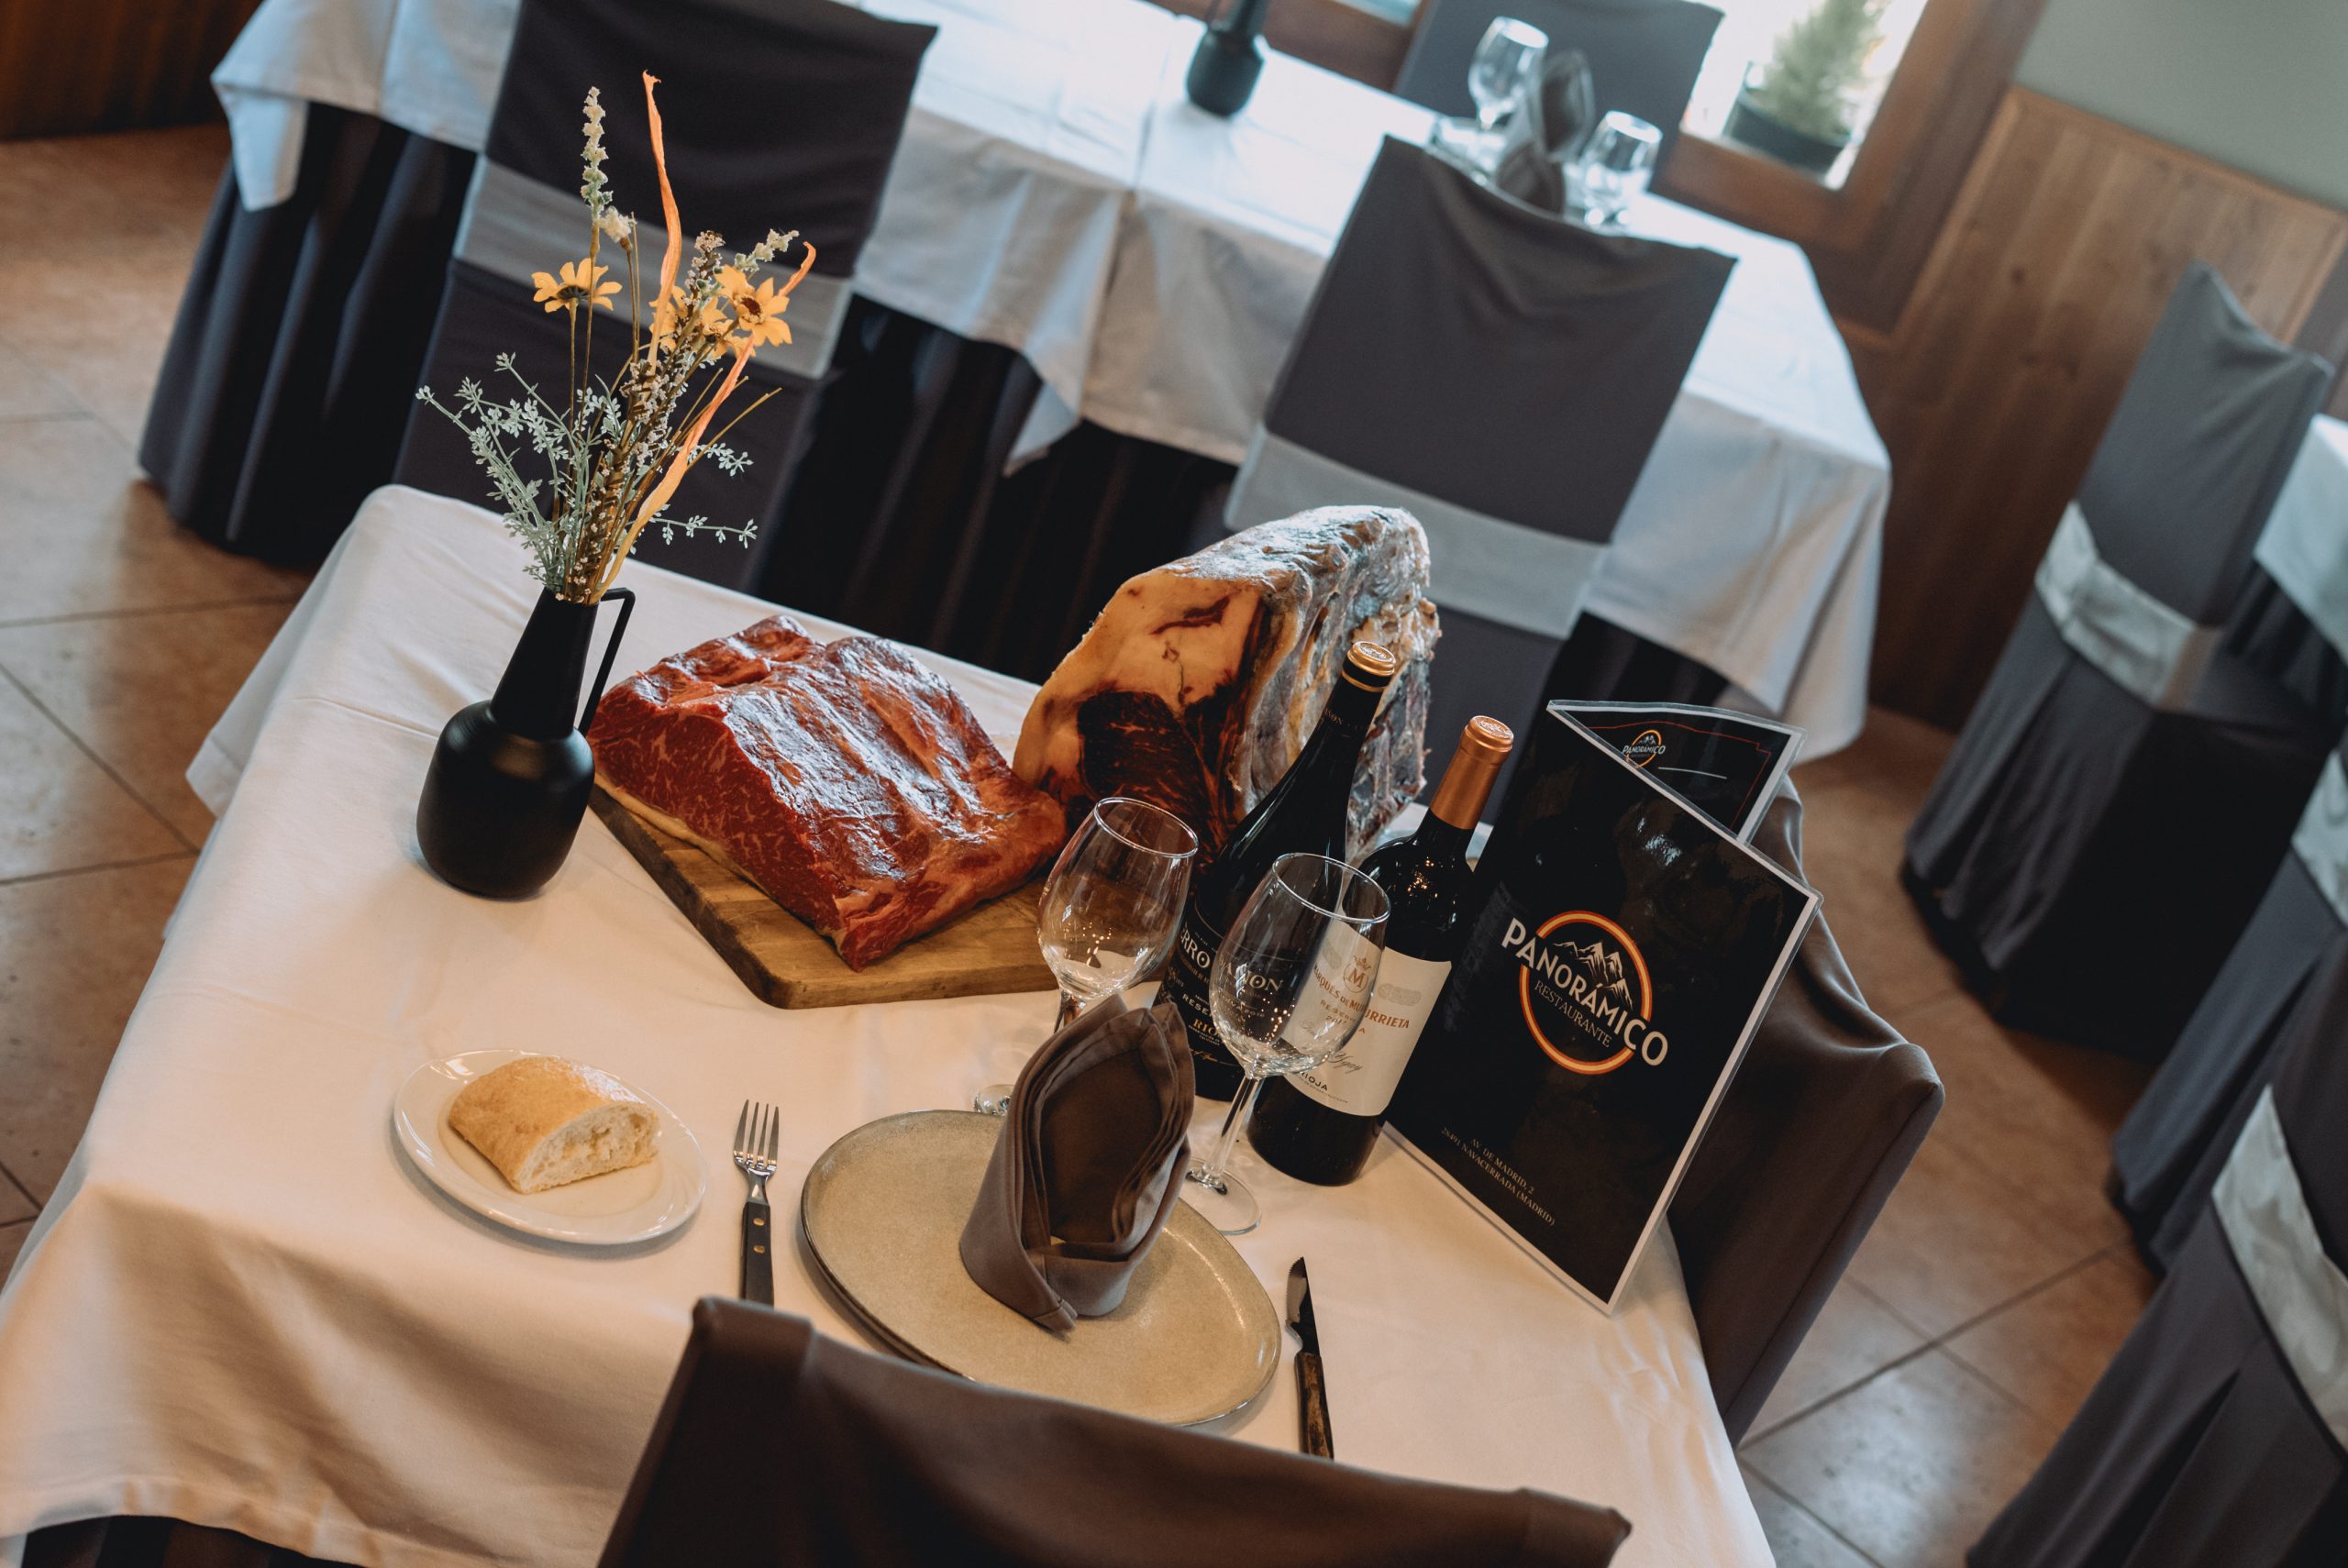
[
  {"x": 1360, "y": 1080},
  {"x": 1344, "y": 964},
  {"x": 1189, "y": 986}
]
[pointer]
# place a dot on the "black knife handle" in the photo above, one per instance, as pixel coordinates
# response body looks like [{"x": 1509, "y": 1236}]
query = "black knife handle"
[
  {"x": 757, "y": 1251},
  {"x": 1313, "y": 1406}
]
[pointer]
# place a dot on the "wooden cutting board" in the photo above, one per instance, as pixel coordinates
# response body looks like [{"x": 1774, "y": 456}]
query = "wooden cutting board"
[{"x": 786, "y": 964}]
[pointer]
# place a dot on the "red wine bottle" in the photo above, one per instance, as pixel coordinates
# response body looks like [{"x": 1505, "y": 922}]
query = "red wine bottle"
[
  {"x": 1321, "y": 1126},
  {"x": 1306, "y": 811}
]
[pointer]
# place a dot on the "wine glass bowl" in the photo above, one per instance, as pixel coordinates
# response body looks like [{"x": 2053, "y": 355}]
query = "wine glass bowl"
[
  {"x": 1290, "y": 987},
  {"x": 1110, "y": 908},
  {"x": 1506, "y": 61},
  {"x": 1613, "y": 170},
  {"x": 1114, "y": 902}
]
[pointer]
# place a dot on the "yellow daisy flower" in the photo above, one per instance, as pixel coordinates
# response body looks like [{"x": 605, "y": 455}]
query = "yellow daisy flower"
[
  {"x": 709, "y": 321},
  {"x": 582, "y": 283},
  {"x": 758, "y": 312}
]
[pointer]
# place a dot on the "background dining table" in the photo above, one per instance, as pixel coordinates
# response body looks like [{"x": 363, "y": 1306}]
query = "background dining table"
[
  {"x": 2304, "y": 547},
  {"x": 1055, "y": 193},
  {"x": 244, "y": 1309}
]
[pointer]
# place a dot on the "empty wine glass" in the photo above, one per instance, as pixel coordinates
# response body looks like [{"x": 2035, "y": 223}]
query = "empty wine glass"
[
  {"x": 1110, "y": 908},
  {"x": 1507, "y": 62},
  {"x": 1290, "y": 985},
  {"x": 1614, "y": 168}
]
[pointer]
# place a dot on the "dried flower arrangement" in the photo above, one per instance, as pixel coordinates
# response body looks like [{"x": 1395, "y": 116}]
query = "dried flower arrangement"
[{"x": 616, "y": 450}]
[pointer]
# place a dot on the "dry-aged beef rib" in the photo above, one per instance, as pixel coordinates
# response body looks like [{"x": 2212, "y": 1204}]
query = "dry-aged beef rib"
[
  {"x": 845, "y": 778},
  {"x": 1198, "y": 683}
]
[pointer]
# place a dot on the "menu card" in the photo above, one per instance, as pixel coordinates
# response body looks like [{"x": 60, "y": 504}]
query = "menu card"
[
  {"x": 1622, "y": 950},
  {"x": 1724, "y": 762}
]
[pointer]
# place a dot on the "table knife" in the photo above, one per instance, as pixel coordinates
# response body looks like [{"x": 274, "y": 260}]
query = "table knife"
[{"x": 1312, "y": 1392}]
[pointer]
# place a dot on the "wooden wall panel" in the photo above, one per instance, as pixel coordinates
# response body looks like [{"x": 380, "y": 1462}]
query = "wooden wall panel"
[
  {"x": 1991, "y": 393},
  {"x": 68, "y": 66}
]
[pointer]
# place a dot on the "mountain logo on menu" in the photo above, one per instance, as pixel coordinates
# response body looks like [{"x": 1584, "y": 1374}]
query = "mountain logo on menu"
[
  {"x": 1644, "y": 747},
  {"x": 1585, "y": 993}
]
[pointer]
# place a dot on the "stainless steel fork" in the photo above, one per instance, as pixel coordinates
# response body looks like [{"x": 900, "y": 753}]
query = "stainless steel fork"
[{"x": 755, "y": 1136}]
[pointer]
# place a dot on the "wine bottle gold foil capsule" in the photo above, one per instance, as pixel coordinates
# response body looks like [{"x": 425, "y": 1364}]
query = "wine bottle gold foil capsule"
[
  {"x": 1484, "y": 744},
  {"x": 1370, "y": 665}
]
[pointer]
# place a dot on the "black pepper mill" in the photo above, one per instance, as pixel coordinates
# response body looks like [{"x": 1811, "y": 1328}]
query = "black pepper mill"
[{"x": 1230, "y": 58}]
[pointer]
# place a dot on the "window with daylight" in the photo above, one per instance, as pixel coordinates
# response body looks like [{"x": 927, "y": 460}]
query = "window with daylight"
[
  {"x": 1798, "y": 81},
  {"x": 1816, "y": 71}
]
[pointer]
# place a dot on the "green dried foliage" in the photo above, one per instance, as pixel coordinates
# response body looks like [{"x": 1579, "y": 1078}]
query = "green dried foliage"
[{"x": 1816, "y": 64}]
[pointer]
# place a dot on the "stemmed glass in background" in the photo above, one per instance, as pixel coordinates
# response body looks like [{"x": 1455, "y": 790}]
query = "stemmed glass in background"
[
  {"x": 1111, "y": 909},
  {"x": 1507, "y": 64},
  {"x": 1290, "y": 987},
  {"x": 1614, "y": 168}
]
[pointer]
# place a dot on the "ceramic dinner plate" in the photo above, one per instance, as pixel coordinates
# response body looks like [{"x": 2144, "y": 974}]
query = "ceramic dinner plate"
[
  {"x": 882, "y": 1211},
  {"x": 610, "y": 1210}
]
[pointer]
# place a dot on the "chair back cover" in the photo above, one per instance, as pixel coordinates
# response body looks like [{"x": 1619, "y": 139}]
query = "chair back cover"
[
  {"x": 1817, "y": 1128},
  {"x": 776, "y": 1446},
  {"x": 2206, "y": 431},
  {"x": 2167, "y": 1153},
  {"x": 2220, "y": 1431},
  {"x": 1497, "y": 372},
  {"x": 776, "y": 113},
  {"x": 1643, "y": 54}
]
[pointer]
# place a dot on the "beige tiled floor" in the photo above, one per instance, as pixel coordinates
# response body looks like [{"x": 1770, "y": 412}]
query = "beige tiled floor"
[
  {"x": 121, "y": 637},
  {"x": 1972, "y": 1322}
]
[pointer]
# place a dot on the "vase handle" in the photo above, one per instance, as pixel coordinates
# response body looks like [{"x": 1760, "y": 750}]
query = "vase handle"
[{"x": 626, "y": 596}]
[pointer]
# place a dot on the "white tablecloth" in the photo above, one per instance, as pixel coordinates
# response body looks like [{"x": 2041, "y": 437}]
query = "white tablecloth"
[
  {"x": 999, "y": 218},
  {"x": 243, "y": 1309},
  {"x": 1055, "y": 192},
  {"x": 2305, "y": 547}
]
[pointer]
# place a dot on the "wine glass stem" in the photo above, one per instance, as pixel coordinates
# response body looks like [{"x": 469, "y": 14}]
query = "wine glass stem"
[
  {"x": 1228, "y": 1139},
  {"x": 1069, "y": 1008}
]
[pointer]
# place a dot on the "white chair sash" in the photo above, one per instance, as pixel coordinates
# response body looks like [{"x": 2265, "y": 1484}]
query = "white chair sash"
[
  {"x": 2145, "y": 646},
  {"x": 1503, "y": 571},
  {"x": 511, "y": 228},
  {"x": 2301, "y": 1292},
  {"x": 2321, "y": 840}
]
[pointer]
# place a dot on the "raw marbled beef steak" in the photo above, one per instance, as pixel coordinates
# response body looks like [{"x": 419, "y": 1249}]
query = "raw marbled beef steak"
[
  {"x": 845, "y": 778},
  {"x": 1200, "y": 682}
]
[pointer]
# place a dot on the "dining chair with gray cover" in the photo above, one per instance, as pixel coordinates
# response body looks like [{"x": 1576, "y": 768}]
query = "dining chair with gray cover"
[
  {"x": 1826, "y": 1111},
  {"x": 1644, "y": 55},
  {"x": 778, "y": 1446},
  {"x": 2125, "y": 786},
  {"x": 782, "y": 114},
  {"x": 2219, "y": 1434},
  {"x": 1499, "y": 374},
  {"x": 2167, "y": 1154}
]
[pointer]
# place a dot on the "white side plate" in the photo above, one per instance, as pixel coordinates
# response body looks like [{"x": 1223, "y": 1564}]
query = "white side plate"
[{"x": 611, "y": 1210}]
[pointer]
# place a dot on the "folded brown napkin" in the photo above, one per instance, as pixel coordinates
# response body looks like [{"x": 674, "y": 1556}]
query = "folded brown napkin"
[
  {"x": 1087, "y": 1165},
  {"x": 1554, "y": 117}
]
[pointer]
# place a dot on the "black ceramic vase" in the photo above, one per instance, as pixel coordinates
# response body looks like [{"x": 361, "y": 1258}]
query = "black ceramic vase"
[
  {"x": 510, "y": 778},
  {"x": 1229, "y": 58}
]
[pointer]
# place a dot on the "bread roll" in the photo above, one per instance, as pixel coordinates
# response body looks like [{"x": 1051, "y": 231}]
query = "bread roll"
[{"x": 544, "y": 1121}]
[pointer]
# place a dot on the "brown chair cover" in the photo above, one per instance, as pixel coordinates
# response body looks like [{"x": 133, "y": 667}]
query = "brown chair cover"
[
  {"x": 1815, "y": 1130},
  {"x": 2167, "y": 1155},
  {"x": 2199, "y": 1447},
  {"x": 1541, "y": 358},
  {"x": 2274, "y": 637},
  {"x": 778, "y": 1447},
  {"x": 300, "y": 337},
  {"x": 782, "y": 114},
  {"x": 2087, "y": 857}
]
